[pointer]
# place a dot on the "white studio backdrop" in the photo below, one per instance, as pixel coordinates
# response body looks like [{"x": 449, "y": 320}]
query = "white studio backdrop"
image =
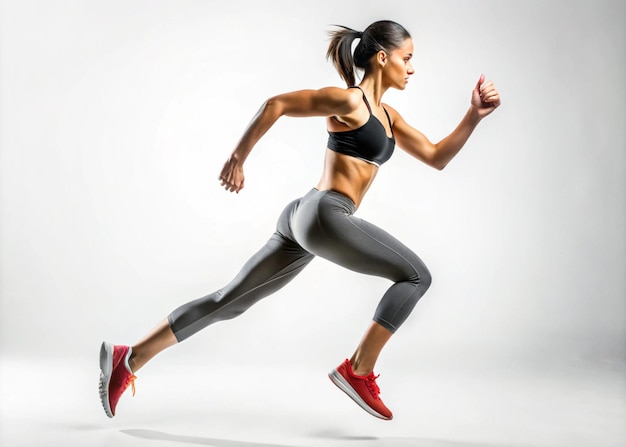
[{"x": 117, "y": 116}]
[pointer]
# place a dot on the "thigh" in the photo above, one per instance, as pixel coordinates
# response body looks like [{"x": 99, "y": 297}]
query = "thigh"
[
  {"x": 327, "y": 228},
  {"x": 277, "y": 263},
  {"x": 364, "y": 247}
]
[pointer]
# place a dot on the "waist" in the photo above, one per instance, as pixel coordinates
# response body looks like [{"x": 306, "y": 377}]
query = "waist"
[{"x": 347, "y": 175}]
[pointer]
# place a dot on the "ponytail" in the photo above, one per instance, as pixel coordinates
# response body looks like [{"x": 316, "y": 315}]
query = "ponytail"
[
  {"x": 340, "y": 52},
  {"x": 383, "y": 35}
]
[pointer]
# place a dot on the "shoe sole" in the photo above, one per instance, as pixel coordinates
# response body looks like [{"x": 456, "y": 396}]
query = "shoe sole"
[
  {"x": 341, "y": 383},
  {"x": 106, "y": 369}
]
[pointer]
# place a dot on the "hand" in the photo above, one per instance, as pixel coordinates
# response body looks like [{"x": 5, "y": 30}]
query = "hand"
[
  {"x": 485, "y": 97},
  {"x": 231, "y": 177}
]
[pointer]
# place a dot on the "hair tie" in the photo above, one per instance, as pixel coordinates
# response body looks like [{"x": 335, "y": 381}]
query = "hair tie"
[{"x": 359, "y": 35}]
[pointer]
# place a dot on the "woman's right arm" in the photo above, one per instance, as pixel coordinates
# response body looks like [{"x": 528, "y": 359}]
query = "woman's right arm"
[{"x": 327, "y": 101}]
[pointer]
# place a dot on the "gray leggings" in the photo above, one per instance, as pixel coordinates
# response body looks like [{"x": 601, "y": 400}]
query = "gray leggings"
[{"x": 319, "y": 224}]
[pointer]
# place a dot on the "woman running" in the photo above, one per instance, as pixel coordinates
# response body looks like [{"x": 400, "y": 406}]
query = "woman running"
[{"x": 362, "y": 135}]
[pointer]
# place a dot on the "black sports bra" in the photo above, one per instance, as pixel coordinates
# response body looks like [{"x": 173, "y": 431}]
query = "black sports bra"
[{"x": 369, "y": 142}]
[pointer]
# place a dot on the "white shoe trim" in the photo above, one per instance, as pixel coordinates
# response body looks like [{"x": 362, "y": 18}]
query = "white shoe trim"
[
  {"x": 336, "y": 377},
  {"x": 127, "y": 359},
  {"x": 106, "y": 370}
]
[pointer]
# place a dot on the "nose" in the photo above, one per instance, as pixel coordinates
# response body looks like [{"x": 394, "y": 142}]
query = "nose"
[{"x": 409, "y": 69}]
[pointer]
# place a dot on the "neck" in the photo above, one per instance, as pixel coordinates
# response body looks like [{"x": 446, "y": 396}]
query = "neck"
[{"x": 373, "y": 86}]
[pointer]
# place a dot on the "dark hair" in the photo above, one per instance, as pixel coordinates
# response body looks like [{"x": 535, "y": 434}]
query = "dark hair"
[{"x": 383, "y": 35}]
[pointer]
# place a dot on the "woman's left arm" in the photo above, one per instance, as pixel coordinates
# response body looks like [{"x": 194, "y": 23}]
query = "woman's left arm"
[{"x": 485, "y": 99}]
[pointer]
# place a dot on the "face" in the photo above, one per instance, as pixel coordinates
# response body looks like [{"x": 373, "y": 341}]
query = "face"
[{"x": 397, "y": 66}]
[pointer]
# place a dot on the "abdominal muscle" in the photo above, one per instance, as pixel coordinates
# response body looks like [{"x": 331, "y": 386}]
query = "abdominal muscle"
[{"x": 347, "y": 175}]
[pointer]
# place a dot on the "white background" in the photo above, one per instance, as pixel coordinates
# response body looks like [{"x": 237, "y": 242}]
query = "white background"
[{"x": 117, "y": 116}]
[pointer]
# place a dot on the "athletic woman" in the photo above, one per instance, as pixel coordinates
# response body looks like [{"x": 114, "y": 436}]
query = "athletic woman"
[{"x": 362, "y": 135}]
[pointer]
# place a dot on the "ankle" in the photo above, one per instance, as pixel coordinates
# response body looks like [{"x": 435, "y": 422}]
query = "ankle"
[
  {"x": 361, "y": 368},
  {"x": 134, "y": 362}
]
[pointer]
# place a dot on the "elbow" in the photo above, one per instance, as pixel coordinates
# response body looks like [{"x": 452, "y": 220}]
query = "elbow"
[
  {"x": 437, "y": 162},
  {"x": 434, "y": 158},
  {"x": 273, "y": 106},
  {"x": 439, "y": 166}
]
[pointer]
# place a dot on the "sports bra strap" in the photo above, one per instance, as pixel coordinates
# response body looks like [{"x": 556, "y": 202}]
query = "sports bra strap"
[
  {"x": 364, "y": 98},
  {"x": 370, "y": 109},
  {"x": 389, "y": 120}
]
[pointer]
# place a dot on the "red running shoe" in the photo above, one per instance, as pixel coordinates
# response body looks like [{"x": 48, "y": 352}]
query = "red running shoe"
[
  {"x": 361, "y": 389},
  {"x": 115, "y": 375}
]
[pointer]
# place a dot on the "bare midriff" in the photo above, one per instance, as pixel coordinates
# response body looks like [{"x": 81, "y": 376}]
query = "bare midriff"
[{"x": 347, "y": 175}]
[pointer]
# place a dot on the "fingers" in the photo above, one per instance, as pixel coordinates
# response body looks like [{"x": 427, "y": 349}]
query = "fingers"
[
  {"x": 480, "y": 81},
  {"x": 231, "y": 188},
  {"x": 231, "y": 178},
  {"x": 231, "y": 185},
  {"x": 485, "y": 97},
  {"x": 488, "y": 93}
]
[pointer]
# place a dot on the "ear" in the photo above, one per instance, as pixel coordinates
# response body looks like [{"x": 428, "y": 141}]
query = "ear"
[{"x": 381, "y": 58}]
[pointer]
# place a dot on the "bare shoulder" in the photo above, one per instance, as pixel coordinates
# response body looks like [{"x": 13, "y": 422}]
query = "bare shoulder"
[
  {"x": 393, "y": 114},
  {"x": 346, "y": 99}
]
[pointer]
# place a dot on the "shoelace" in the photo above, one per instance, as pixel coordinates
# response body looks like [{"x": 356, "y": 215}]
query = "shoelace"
[
  {"x": 370, "y": 381},
  {"x": 130, "y": 381}
]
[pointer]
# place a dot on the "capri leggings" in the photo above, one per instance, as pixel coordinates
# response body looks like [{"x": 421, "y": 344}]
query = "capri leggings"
[{"x": 322, "y": 223}]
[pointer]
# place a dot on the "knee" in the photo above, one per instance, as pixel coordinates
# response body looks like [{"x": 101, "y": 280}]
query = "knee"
[
  {"x": 416, "y": 272},
  {"x": 422, "y": 278},
  {"x": 425, "y": 279}
]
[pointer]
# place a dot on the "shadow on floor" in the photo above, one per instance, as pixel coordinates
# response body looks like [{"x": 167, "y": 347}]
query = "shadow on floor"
[
  {"x": 158, "y": 435},
  {"x": 331, "y": 436},
  {"x": 370, "y": 441}
]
